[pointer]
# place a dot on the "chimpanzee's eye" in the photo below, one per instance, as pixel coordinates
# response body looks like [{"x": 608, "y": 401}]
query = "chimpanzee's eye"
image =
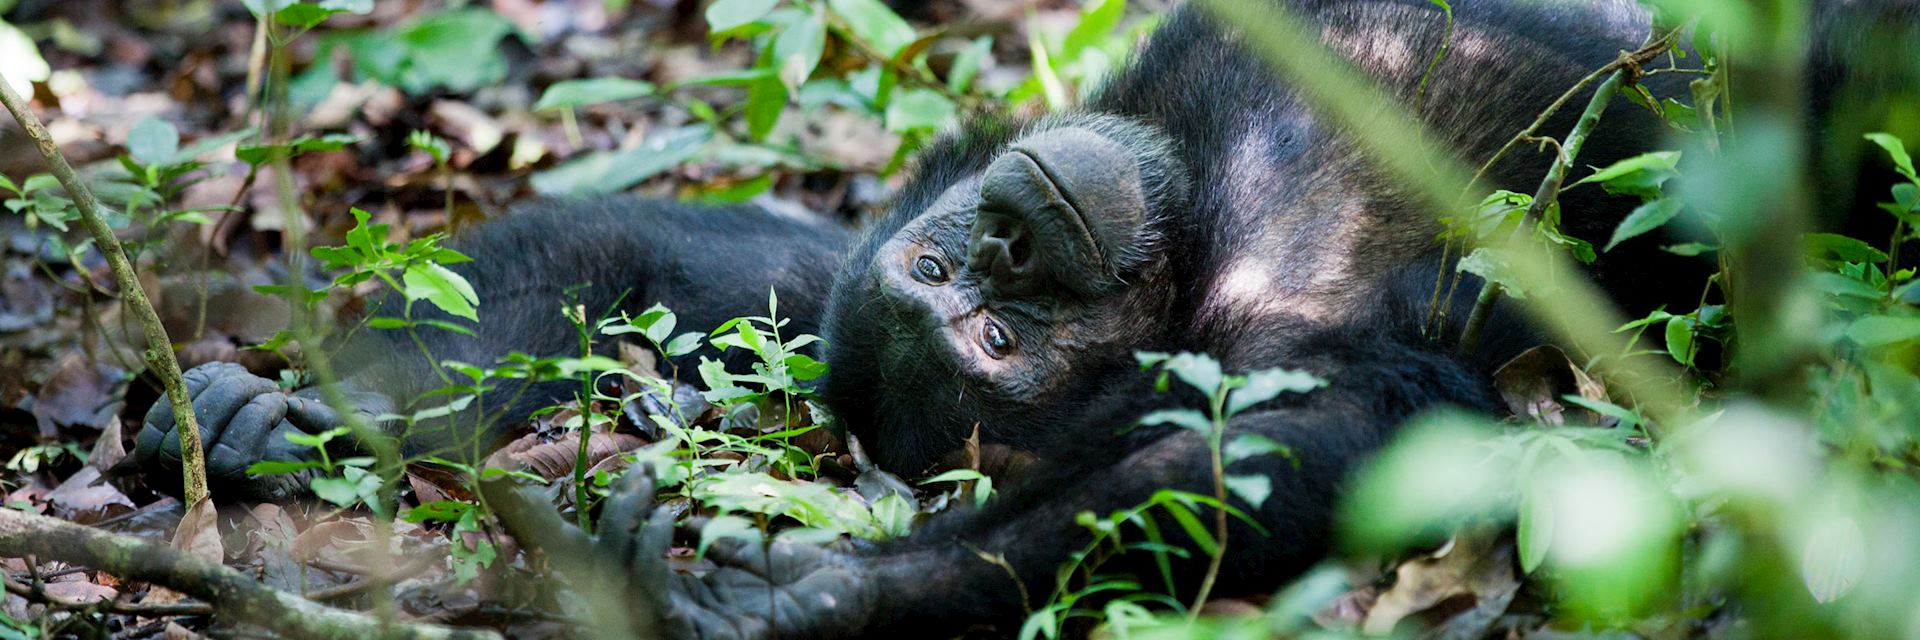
[
  {"x": 996, "y": 339},
  {"x": 928, "y": 269}
]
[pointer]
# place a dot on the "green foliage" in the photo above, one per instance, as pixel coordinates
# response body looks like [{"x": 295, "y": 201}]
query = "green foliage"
[
  {"x": 456, "y": 49},
  {"x": 568, "y": 94},
  {"x": 344, "y": 482},
  {"x": 607, "y": 172},
  {"x": 1079, "y": 578},
  {"x": 30, "y": 459},
  {"x": 782, "y": 365},
  {"x": 420, "y": 264},
  {"x": 1067, "y": 69},
  {"x": 20, "y": 60}
]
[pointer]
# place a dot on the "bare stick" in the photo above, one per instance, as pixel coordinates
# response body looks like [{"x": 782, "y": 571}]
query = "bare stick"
[
  {"x": 159, "y": 347},
  {"x": 230, "y": 592}
]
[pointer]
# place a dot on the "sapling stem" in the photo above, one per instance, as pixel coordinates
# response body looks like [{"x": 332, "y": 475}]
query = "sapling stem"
[{"x": 159, "y": 356}]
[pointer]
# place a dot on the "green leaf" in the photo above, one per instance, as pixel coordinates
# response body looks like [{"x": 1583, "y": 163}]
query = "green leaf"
[
  {"x": 1846, "y": 249},
  {"x": 208, "y": 145},
  {"x": 1657, "y": 161},
  {"x": 1254, "y": 489},
  {"x": 607, "y": 172},
  {"x": 575, "y": 93},
  {"x": 1896, "y": 150},
  {"x": 875, "y": 23},
  {"x": 1534, "y": 530},
  {"x": 259, "y": 154},
  {"x": 955, "y": 475},
  {"x": 766, "y": 98},
  {"x": 1248, "y": 445},
  {"x": 1191, "y": 525},
  {"x": 918, "y": 109},
  {"x": 1689, "y": 249},
  {"x": 339, "y": 491},
  {"x": 803, "y": 367},
  {"x": 442, "y": 287},
  {"x": 727, "y": 15},
  {"x": 304, "y": 15},
  {"x": 968, "y": 63},
  {"x": 1185, "y": 418},
  {"x": 683, "y": 344},
  {"x": 153, "y": 141},
  {"x": 894, "y": 514},
  {"x": 1198, "y": 370},
  {"x": 280, "y": 467},
  {"x": 1096, "y": 21},
  {"x": 1646, "y": 217},
  {"x": 797, "y": 50},
  {"x": 316, "y": 439},
  {"x": 1680, "y": 339},
  {"x": 439, "y": 511},
  {"x": 735, "y": 193},
  {"x": 457, "y": 49},
  {"x": 740, "y": 78},
  {"x": 1267, "y": 384},
  {"x": 1834, "y": 559},
  {"x": 1492, "y": 265},
  {"x": 20, "y": 60},
  {"x": 1839, "y": 285},
  {"x": 1874, "y": 331}
]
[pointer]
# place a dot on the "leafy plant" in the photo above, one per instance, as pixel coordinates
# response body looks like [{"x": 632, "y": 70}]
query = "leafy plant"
[
  {"x": 1227, "y": 395},
  {"x": 343, "y": 482}
]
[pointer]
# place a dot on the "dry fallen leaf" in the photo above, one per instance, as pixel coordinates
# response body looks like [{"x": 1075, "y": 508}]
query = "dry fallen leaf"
[
  {"x": 1533, "y": 384},
  {"x": 555, "y": 459},
  {"x": 84, "y": 500},
  {"x": 77, "y": 394},
  {"x": 81, "y": 590},
  {"x": 1459, "y": 590},
  {"x": 199, "y": 532}
]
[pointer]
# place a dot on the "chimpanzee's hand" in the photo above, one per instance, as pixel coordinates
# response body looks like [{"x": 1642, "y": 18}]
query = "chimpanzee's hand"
[
  {"x": 781, "y": 589},
  {"x": 244, "y": 419}
]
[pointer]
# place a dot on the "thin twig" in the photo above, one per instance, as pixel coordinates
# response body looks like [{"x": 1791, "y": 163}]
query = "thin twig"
[
  {"x": 159, "y": 347},
  {"x": 1544, "y": 197},
  {"x": 150, "y": 610}
]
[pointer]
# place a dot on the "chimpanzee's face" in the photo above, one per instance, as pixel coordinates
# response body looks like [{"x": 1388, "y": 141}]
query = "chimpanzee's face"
[{"x": 1014, "y": 281}]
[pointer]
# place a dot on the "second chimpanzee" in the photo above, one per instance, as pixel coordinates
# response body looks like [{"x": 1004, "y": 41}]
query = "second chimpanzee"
[{"x": 1195, "y": 204}]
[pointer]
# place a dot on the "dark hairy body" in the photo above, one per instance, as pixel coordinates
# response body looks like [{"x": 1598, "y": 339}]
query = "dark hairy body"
[{"x": 1194, "y": 204}]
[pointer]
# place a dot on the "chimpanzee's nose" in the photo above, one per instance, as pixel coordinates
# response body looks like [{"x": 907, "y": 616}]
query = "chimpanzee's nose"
[{"x": 1003, "y": 252}]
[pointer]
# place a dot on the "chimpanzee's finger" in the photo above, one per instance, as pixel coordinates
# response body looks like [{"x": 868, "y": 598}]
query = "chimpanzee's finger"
[
  {"x": 159, "y": 422},
  {"x": 749, "y": 554},
  {"x": 244, "y": 441},
  {"x": 312, "y": 415},
  {"x": 533, "y": 522},
  {"x": 215, "y": 406},
  {"x": 625, "y": 513},
  {"x": 649, "y": 562}
]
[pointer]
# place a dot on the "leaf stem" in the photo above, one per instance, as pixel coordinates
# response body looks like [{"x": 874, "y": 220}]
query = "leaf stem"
[{"x": 1218, "y": 469}]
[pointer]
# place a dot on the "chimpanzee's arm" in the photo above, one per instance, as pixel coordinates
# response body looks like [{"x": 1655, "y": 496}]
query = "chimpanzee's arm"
[
  {"x": 707, "y": 264},
  {"x": 940, "y": 577}
]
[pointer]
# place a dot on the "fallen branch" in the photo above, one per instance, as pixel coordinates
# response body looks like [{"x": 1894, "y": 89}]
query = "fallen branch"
[
  {"x": 160, "y": 357},
  {"x": 231, "y": 593}
]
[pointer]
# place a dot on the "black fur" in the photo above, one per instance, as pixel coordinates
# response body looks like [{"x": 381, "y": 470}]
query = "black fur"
[{"x": 1288, "y": 248}]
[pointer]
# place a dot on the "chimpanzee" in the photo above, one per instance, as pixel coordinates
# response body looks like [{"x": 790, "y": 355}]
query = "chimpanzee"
[{"x": 1194, "y": 204}]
